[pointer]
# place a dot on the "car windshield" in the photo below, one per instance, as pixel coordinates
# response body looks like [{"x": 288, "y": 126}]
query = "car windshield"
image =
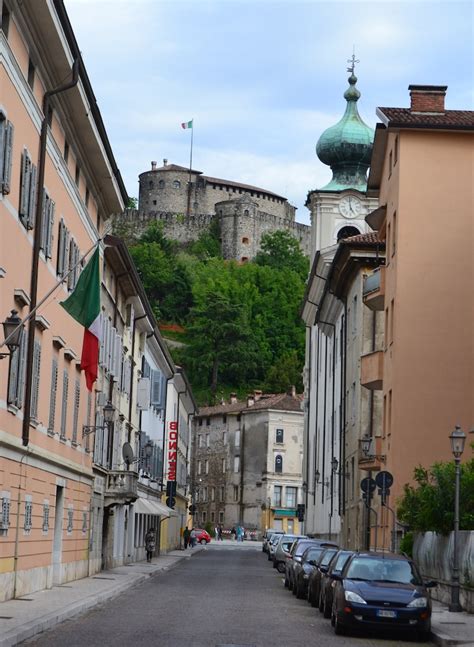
[
  {"x": 382, "y": 570},
  {"x": 312, "y": 553},
  {"x": 326, "y": 558}
]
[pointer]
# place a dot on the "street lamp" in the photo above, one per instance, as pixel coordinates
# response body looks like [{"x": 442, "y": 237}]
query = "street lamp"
[
  {"x": 457, "y": 439},
  {"x": 12, "y": 332},
  {"x": 366, "y": 445},
  {"x": 109, "y": 413}
]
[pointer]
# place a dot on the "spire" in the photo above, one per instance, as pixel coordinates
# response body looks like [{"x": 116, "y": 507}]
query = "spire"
[{"x": 347, "y": 146}]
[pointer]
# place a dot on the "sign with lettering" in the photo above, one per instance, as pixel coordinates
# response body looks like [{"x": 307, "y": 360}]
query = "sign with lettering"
[{"x": 172, "y": 450}]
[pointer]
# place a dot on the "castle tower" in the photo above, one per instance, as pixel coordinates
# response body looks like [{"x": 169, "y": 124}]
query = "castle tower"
[
  {"x": 338, "y": 209},
  {"x": 240, "y": 233}
]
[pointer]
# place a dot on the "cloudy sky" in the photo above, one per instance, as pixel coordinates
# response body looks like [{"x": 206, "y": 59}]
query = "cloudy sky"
[{"x": 262, "y": 79}]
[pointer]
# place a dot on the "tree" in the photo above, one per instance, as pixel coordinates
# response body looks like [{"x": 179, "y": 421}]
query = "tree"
[
  {"x": 281, "y": 250},
  {"x": 429, "y": 505},
  {"x": 286, "y": 372}
]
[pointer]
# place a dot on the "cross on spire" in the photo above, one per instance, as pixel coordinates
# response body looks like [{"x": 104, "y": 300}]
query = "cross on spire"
[{"x": 353, "y": 60}]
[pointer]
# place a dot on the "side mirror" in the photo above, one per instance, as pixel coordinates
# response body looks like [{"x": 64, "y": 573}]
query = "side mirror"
[
  {"x": 336, "y": 576},
  {"x": 430, "y": 584},
  {"x": 312, "y": 562},
  {"x": 323, "y": 569}
]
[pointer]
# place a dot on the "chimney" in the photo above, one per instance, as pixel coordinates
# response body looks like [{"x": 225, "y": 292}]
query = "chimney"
[
  {"x": 153, "y": 166},
  {"x": 233, "y": 398},
  {"x": 165, "y": 161},
  {"x": 257, "y": 395},
  {"x": 250, "y": 400},
  {"x": 427, "y": 98},
  {"x": 292, "y": 391}
]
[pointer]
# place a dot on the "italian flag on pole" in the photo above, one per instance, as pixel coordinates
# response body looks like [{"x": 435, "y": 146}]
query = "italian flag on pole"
[
  {"x": 187, "y": 124},
  {"x": 84, "y": 306}
]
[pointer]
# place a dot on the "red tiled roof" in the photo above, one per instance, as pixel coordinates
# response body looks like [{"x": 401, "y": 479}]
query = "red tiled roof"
[
  {"x": 239, "y": 185},
  {"x": 371, "y": 237},
  {"x": 450, "y": 119},
  {"x": 280, "y": 401},
  {"x": 227, "y": 407}
]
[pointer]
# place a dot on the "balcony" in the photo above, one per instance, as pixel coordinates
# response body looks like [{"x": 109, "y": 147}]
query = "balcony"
[
  {"x": 373, "y": 459},
  {"x": 121, "y": 487},
  {"x": 373, "y": 291},
  {"x": 371, "y": 370}
]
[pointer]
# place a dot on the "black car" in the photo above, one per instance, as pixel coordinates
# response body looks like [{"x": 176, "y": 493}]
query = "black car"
[
  {"x": 314, "y": 581},
  {"x": 303, "y": 569},
  {"x": 294, "y": 557},
  {"x": 381, "y": 589},
  {"x": 335, "y": 566}
]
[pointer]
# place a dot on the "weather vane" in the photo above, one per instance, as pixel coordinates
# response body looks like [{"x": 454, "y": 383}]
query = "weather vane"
[{"x": 352, "y": 61}]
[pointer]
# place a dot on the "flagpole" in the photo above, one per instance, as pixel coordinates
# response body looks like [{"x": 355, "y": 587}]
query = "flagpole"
[
  {"x": 53, "y": 289},
  {"x": 188, "y": 210}
]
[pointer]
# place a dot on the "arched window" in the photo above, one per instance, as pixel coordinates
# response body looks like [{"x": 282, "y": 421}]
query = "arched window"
[
  {"x": 161, "y": 184},
  {"x": 176, "y": 184},
  {"x": 246, "y": 212},
  {"x": 278, "y": 464},
  {"x": 347, "y": 232},
  {"x": 150, "y": 184}
]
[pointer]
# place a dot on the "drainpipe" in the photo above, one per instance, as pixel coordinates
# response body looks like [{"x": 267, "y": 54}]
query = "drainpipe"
[
  {"x": 17, "y": 527},
  {"x": 36, "y": 248},
  {"x": 316, "y": 416},
  {"x": 306, "y": 431}
]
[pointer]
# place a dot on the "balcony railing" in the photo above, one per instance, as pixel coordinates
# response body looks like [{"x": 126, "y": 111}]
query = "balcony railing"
[
  {"x": 373, "y": 291},
  {"x": 371, "y": 370},
  {"x": 121, "y": 486}
]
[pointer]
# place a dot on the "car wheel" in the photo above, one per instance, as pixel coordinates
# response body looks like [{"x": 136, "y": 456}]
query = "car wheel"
[
  {"x": 280, "y": 567},
  {"x": 203, "y": 541},
  {"x": 339, "y": 629}
]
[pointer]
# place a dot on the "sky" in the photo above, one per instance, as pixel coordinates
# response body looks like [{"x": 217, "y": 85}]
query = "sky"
[{"x": 262, "y": 79}]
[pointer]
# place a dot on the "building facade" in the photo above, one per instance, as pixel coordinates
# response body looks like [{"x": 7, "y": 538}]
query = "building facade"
[
  {"x": 189, "y": 204},
  {"x": 247, "y": 463}
]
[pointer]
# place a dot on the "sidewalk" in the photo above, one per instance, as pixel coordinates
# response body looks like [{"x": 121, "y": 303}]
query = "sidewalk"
[
  {"x": 25, "y": 617},
  {"x": 451, "y": 628}
]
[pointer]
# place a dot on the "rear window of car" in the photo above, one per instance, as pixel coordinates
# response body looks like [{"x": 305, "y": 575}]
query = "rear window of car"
[
  {"x": 312, "y": 553},
  {"x": 301, "y": 547},
  {"x": 383, "y": 570},
  {"x": 328, "y": 555}
]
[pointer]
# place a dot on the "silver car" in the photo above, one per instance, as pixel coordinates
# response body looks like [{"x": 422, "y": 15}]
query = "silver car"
[
  {"x": 282, "y": 549},
  {"x": 268, "y": 534},
  {"x": 272, "y": 544}
]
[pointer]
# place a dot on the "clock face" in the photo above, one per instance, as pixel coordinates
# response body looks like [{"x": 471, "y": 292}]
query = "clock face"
[{"x": 350, "y": 206}]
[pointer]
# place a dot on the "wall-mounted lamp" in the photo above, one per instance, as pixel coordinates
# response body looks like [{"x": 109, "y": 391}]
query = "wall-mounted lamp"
[
  {"x": 109, "y": 415},
  {"x": 367, "y": 445},
  {"x": 12, "y": 332}
]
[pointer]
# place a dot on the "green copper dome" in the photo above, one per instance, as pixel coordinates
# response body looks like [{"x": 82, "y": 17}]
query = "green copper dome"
[{"x": 347, "y": 146}]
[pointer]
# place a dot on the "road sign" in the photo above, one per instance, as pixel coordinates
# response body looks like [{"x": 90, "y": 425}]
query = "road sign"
[
  {"x": 384, "y": 480},
  {"x": 170, "y": 502},
  {"x": 368, "y": 484}
]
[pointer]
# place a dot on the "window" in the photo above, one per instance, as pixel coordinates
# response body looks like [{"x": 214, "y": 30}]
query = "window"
[
  {"x": 16, "y": 375},
  {"x": 213, "y": 493},
  {"x": 200, "y": 422},
  {"x": 222, "y": 493},
  {"x": 26, "y": 211},
  {"x": 389, "y": 240},
  {"x": 236, "y": 463},
  {"x": 28, "y": 522},
  {"x": 236, "y": 492},
  {"x": 35, "y": 379},
  {"x": 5, "y": 20},
  {"x": 63, "y": 249},
  {"x": 176, "y": 184},
  {"x": 45, "y": 525},
  {"x": 87, "y": 196},
  {"x": 208, "y": 421},
  {"x": 161, "y": 184},
  {"x": 394, "y": 233},
  {"x": 66, "y": 151},
  {"x": 150, "y": 184},
  {"x": 31, "y": 74},
  {"x": 199, "y": 440},
  {"x": 84, "y": 522},
  {"x": 62, "y": 433},
  {"x": 73, "y": 265},
  {"x": 279, "y": 436},
  {"x": 47, "y": 221},
  {"x": 70, "y": 519},
  {"x": 213, "y": 516},
  {"x": 392, "y": 311},
  {"x": 389, "y": 413},
  {"x": 238, "y": 417},
  {"x": 206, "y": 466},
  {"x": 6, "y": 152},
  {"x": 52, "y": 399},
  {"x": 278, "y": 463},
  {"x": 208, "y": 440},
  {"x": 221, "y": 516},
  {"x": 277, "y": 496},
  {"x": 204, "y": 516},
  {"x": 224, "y": 465},
  {"x": 77, "y": 398},
  {"x": 77, "y": 175},
  {"x": 384, "y": 424},
  {"x": 224, "y": 437},
  {"x": 386, "y": 331},
  {"x": 199, "y": 467},
  {"x": 224, "y": 418},
  {"x": 291, "y": 493},
  {"x": 237, "y": 438},
  {"x": 204, "y": 493},
  {"x": 245, "y": 240}
]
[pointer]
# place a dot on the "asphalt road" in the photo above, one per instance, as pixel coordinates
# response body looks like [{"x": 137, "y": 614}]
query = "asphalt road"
[{"x": 222, "y": 597}]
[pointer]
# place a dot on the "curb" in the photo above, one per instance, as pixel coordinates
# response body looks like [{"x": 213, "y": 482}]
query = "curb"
[{"x": 446, "y": 641}]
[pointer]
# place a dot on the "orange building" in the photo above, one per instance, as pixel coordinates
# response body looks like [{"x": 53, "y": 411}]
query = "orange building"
[
  {"x": 45, "y": 468},
  {"x": 422, "y": 174}
]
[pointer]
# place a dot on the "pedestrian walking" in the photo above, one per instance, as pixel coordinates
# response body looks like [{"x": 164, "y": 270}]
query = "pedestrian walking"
[
  {"x": 219, "y": 533},
  {"x": 233, "y": 532},
  {"x": 216, "y": 533},
  {"x": 150, "y": 543},
  {"x": 192, "y": 537},
  {"x": 186, "y": 536}
]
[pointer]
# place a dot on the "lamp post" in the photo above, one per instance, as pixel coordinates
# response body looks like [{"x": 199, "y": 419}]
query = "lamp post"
[
  {"x": 12, "y": 332},
  {"x": 458, "y": 439}
]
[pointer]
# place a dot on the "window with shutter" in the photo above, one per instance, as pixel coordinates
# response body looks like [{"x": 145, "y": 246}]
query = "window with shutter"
[
  {"x": 48, "y": 251},
  {"x": 75, "y": 420},
  {"x": 5, "y": 512},
  {"x": 25, "y": 172},
  {"x": 52, "y": 401},
  {"x": 64, "y": 405},
  {"x": 101, "y": 346},
  {"x": 20, "y": 389},
  {"x": 28, "y": 522},
  {"x": 45, "y": 516},
  {"x": 6, "y": 153},
  {"x": 36, "y": 379},
  {"x": 13, "y": 377},
  {"x": 156, "y": 389}
]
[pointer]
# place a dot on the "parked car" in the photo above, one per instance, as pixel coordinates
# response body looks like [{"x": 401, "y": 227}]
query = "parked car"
[
  {"x": 202, "y": 536},
  {"x": 381, "y": 589},
  {"x": 281, "y": 551},
  {"x": 293, "y": 558},
  {"x": 336, "y": 566},
  {"x": 303, "y": 569},
  {"x": 272, "y": 544},
  {"x": 267, "y": 535},
  {"x": 314, "y": 581}
]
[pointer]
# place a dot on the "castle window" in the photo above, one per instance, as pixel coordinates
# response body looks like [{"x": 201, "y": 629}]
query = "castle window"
[
  {"x": 246, "y": 213},
  {"x": 245, "y": 240},
  {"x": 150, "y": 184},
  {"x": 244, "y": 259},
  {"x": 176, "y": 184},
  {"x": 233, "y": 190},
  {"x": 154, "y": 202},
  {"x": 161, "y": 184}
]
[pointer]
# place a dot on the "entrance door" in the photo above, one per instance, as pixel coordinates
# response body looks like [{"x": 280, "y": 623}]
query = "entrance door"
[
  {"x": 291, "y": 526},
  {"x": 58, "y": 535}
]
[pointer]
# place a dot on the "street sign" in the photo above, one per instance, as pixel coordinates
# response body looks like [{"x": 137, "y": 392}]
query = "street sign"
[
  {"x": 170, "y": 502},
  {"x": 384, "y": 480},
  {"x": 368, "y": 484}
]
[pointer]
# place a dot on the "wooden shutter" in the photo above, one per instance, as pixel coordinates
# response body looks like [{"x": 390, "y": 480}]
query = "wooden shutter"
[
  {"x": 156, "y": 388},
  {"x": 13, "y": 376},
  {"x": 32, "y": 198},
  {"x": 20, "y": 389},
  {"x": 7, "y": 158},
  {"x": 49, "y": 230},
  {"x": 44, "y": 219},
  {"x": 36, "y": 379},
  {"x": 64, "y": 404},
  {"x": 25, "y": 180},
  {"x": 52, "y": 401},
  {"x": 77, "y": 398}
]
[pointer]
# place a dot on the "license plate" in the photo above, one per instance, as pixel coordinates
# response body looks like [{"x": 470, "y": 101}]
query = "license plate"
[{"x": 385, "y": 613}]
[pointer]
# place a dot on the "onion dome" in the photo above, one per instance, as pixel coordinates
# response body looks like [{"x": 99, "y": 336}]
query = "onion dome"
[{"x": 347, "y": 146}]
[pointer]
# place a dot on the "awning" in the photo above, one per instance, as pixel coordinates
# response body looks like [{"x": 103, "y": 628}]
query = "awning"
[{"x": 150, "y": 506}]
